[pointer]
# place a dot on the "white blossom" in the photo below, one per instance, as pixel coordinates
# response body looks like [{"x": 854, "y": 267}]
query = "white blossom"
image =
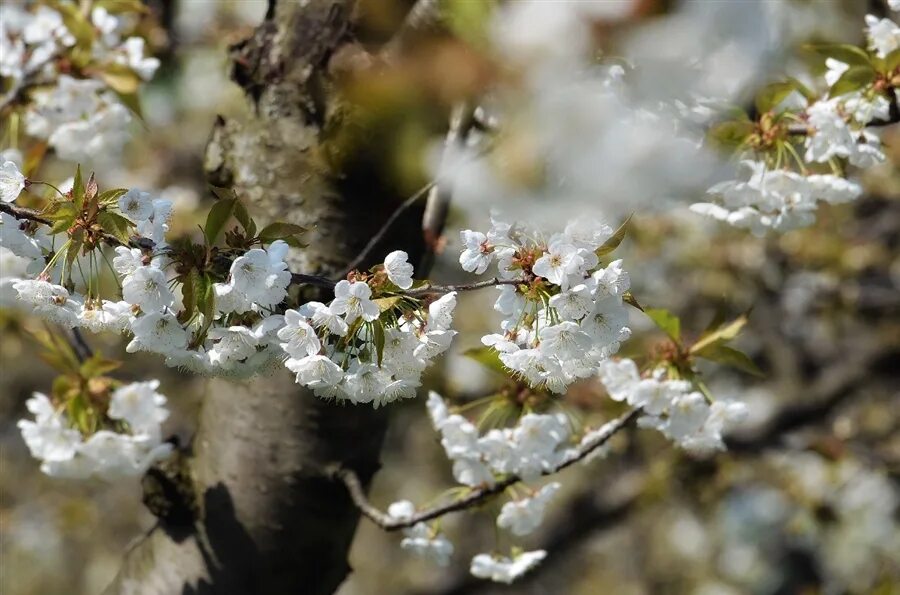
[
  {"x": 478, "y": 253},
  {"x": 883, "y": 35},
  {"x": 12, "y": 181},
  {"x": 398, "y": 270},
  {"x": 501, "y": 569},
  {"x": 299, "y": 337},
  {"x": 522, "y": 517},
  {"x": 159, "y": 332},
  {"x": 136, "y": 205},
  {"x": 147, "y": 288},
  {"x": 141, "y": 406},
  {"x": 352, "y": 301}
]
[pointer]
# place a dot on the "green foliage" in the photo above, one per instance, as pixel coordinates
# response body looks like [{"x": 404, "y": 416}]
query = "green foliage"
[
  {"x": 216, "y": 219},
  {"x": 770, "y": 96},
  {"x": 666, "y": 321},
  {"x": 290, "y": 233},
  {"x": 843, "y": 52},
  {"x": 613, "y": 242},
  {"x": 731, "y": 134},
  {"x": 854, "y": 79},
  {"x": 487, "y": 357}
]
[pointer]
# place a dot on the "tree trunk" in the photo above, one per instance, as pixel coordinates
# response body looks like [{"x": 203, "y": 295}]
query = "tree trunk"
[{"x": 251, "y": 509}]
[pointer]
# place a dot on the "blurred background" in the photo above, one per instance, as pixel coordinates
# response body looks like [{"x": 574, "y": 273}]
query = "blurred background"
[{"x": 806, "y": 500}]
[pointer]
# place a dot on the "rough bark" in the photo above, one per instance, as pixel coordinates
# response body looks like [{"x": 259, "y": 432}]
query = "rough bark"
[{"x": 249, "y": 508}]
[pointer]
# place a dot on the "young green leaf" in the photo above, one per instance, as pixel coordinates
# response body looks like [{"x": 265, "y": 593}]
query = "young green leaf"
[
  {"x": 846, "y": 53},
  {"x": 771, "y": 95},
  {"x": 218, "y": 216},
  {"x": 378, "y": 330},
  {"x": 613, "y": 242},
  {"x": 721, "y": 334},
  {"x": 666, "y": 321},
  {"x": 279, "y": 231},
  {"x": 115, "y": 225},
  {"x": 854, "y": 79},
  {"x": 731, "y": 134},
  {"x": 487, "y": 357},
  {"x": 728, "y": 356}
]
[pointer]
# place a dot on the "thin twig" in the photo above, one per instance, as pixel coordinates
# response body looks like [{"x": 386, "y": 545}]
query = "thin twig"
[
  {"x": 296, "y": 278},
  {"x": 437, "y": 207},
  {"x": 364, "y": 253},
  {"x": 23, "y": 213},
  {"x": 79, "y": 344},
  {"x": 477, "y": 495}
]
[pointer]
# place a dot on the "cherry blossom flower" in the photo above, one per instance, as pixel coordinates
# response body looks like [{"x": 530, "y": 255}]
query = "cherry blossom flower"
[
  {"x": 522, "y": 517},
  {"x": 147, "y": 288},
  {"x": 12, "y": 181},
  {"x": 352, "y": 301},
  {"x": 398, "y": 270}
]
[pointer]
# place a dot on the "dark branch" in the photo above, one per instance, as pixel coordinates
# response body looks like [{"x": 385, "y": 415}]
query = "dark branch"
[{"x": 477, "y": 495}]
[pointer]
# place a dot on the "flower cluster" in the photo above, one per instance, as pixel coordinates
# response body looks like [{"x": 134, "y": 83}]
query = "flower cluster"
[
  {"x": 775, "y": 198},
  {"x": 367, "y": 350},
  {"x": 82, "y": 119},
  {"x": 370, "y": 344},
  {"x": 534, "y": 446},
  {"x": 502, "y": 569},
  {"x": 127, "y": 448},
  {"x": 421, "y": 539},
  {"x": 522, "y": 517},
  {"x": 783, "y": 189},
  {"x": 683, "y": 415},
  {"x": 563, "y": 312}
]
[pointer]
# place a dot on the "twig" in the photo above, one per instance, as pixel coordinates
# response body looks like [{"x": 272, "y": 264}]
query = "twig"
[
  {"x": 431, "y": 288},
  {"x": 438, "y": 204},
  {"x": 79, "y": 344},
  {"x": 386, "y": 227},
  {"x": 23, "y": 213},
  {"x": 296, "y": 278},
  {"x": 477, "y": 495}
]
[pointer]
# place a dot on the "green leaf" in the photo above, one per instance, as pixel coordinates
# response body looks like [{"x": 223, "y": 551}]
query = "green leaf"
[
  {"x": 728, "y": 356},
  {"x": 721, "y": 334},
  {"x": 206, "y": 297},
  {"x": 846, "y": 53},
  {"x": 116, "y": 225},
  {"x": 771, "y": 95},
  {"x": 62, "y": 214},
  {"x": 379, "y": 340},
  {"x": 731, "y": 134},
  {"x": 892, "y": 61},
  {"x": 243, "y": 217},
  {"x": 629, "y": 299},
  {"x": 616, "y": 239},
  {"x": 97, "y": 365},
  {"x": 278, "y": 231},
  {"x": 854, "y": 79},
  {"x": 386, "y": 303},
  {"x": 122, "y": 6},
  {"x": 109, "y": 197},
  {"x": 487, "y": 357},
  {"x": 665, "y": 320},
  {"x": 189, "y": 285},
  {"x": 132, "y": 101},
  {"x": 121, "y": 79},
  {"x": 218, "y": 216},
  {"x": 222, "y": 193},
  {"x": 78, "y": 189}
]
